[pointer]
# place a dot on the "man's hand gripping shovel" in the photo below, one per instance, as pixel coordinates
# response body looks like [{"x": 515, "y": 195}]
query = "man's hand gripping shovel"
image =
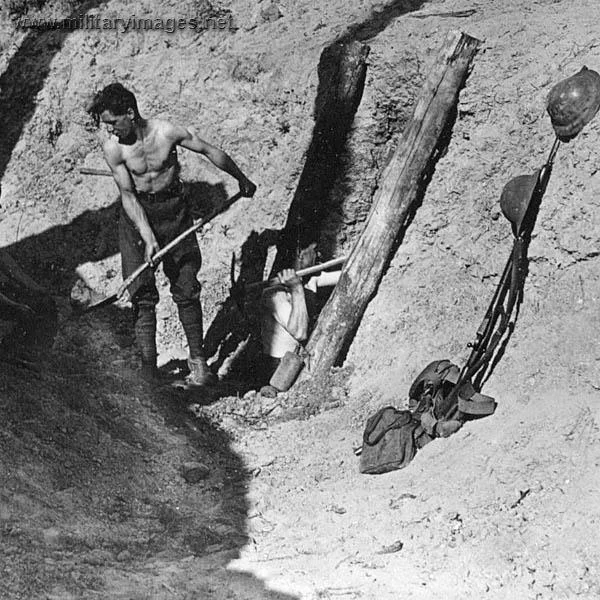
[{"x": 99, "y": 301}]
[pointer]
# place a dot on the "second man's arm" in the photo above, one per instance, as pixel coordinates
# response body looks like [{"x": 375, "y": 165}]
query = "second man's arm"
[{"x": 297, "y": 324}]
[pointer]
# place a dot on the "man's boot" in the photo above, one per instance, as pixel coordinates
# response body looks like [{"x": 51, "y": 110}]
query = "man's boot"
[
  {"x": 200, "y": 374},
  {"x": 145, "y": 333},
  {"x": 149, "y": 372}
]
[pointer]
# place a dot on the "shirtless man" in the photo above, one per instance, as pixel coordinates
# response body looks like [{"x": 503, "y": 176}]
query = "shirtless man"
[
  {"x": 143, "y": 161},
  {"x": 288, "y": 312}
]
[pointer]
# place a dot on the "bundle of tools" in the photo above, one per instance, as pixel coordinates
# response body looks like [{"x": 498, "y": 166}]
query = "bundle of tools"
[{"x": 443, "y": 397}]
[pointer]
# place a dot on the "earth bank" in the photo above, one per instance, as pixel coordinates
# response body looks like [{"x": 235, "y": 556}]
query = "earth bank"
[{"x": 93, "y": 502}]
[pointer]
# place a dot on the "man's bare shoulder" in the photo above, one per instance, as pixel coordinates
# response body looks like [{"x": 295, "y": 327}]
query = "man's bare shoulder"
[
  {"x": 274, "y": 297},
  {"x": 112, "y": 151},
  {"x": 166, "y": 129}
]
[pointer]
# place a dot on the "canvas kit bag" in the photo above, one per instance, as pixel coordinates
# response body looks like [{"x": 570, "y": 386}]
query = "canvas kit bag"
[{"x": 437, "y": 408}]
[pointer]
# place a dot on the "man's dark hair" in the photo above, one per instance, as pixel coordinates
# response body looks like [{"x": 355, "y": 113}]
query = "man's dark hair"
[{"x": 115, "y": 98}]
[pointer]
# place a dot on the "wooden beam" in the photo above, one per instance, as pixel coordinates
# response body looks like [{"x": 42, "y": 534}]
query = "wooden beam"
[
  {"x": 342, "y": 71},
  {"x": 398, "y": 190}
]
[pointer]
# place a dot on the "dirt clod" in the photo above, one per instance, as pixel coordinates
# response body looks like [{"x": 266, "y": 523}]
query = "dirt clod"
[{"x": 194, "y": 472}]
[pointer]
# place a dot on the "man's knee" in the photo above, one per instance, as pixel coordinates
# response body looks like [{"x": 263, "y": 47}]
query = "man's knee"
[
  {"x": 185, "y": 287},
  {"x": 144, "y": 301},
  {"x": 186, "y": 292}
]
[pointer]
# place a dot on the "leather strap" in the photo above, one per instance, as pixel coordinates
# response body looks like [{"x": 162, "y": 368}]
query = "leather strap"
[{"x": 471, "y": 402}]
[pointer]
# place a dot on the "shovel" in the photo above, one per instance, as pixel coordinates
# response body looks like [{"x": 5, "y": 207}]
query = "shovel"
[
  {"x": 105, "y": 300},
  {"x": 334, "y": 262}
]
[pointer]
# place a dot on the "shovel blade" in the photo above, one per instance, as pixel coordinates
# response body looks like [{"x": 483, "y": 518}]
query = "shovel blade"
[
  {"x": 85, "y": 299},
  {"x": 99, "y": 302}
]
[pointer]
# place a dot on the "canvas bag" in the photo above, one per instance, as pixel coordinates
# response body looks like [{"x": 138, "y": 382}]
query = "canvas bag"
[{"x": 390, "y": 441}]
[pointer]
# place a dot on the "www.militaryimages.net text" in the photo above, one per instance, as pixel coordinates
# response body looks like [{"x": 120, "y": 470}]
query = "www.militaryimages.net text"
[
  {"x": 166, "y": 24},
  {"x": 63, "y": 14}
]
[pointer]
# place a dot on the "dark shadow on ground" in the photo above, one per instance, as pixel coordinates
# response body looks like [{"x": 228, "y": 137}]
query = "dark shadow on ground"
[
  {"x": 103, "y": 445},
  {"x": 341, "y": 72},
  {"x": 379, "y": 20},
  {"x": 52, "y": 256},
  {"x": 234, "y": 334},
  {"x": 340, "y": 175},
  {"x": 96, "y": 460}
]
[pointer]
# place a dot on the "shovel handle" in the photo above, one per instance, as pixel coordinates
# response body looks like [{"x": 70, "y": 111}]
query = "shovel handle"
[
  {"x": 334, "y": 262},
  {"x": 159, "y": 255},
  {"x": 92, "y": 171}
]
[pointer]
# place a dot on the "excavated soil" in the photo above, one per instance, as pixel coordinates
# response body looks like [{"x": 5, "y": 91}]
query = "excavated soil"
[{"x": 97, "y": 495}]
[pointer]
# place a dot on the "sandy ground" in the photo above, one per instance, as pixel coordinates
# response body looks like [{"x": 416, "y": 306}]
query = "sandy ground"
[{"x": 93, "y": 503}]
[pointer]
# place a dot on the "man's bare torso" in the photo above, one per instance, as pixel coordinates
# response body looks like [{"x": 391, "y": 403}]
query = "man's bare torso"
[{"x": 152, "y": 159}]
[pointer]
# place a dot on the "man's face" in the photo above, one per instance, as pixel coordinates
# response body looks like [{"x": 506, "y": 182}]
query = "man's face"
[
  {"x": 121, "y": 125},
  {"x": 306, "y": 257}
]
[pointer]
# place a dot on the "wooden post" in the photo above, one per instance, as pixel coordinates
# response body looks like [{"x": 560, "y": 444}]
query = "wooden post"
[
  {"x": 397, "y": 191},
  {"x": 342, "y": 70}
]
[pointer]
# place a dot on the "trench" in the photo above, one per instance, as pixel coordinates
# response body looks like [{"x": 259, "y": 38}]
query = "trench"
[{"x": 91, "y": 484}]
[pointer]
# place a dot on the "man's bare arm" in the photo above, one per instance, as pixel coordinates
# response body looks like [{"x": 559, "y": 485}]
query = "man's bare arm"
[
  {"x": 132, "y": 207},
  {"x": 187, "y": 138},
  {"x": 297, "y": 323}
]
